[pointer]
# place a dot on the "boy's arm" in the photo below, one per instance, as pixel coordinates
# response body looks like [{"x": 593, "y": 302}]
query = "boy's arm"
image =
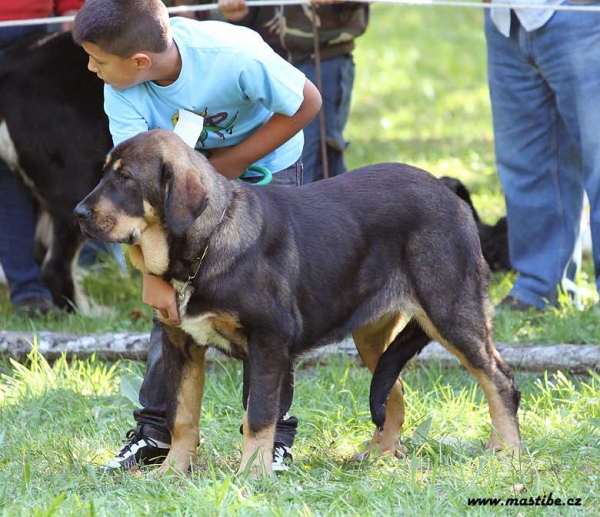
[
  {"x": 124, "y": 120},
  {"x": 233, "y": 161}
]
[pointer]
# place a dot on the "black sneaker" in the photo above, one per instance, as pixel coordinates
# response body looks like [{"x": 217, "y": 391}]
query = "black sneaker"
[
  {"x": 35, "y": 306},
  {"x": 138, "y": 450},
  {"x": 282, "y": 457}
]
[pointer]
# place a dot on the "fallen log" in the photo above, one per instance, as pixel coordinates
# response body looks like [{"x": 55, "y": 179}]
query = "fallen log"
[
  {"x": 52, "y": 345},
  {"x": 114, "y": 346}
]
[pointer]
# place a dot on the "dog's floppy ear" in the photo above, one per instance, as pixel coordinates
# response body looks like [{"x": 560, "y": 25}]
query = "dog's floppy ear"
[{"x": 186, "y": 197}]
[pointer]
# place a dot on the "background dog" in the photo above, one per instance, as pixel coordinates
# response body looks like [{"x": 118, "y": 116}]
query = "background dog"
[
  {"x": 54, "y": 134},
  {"x": 265, "y": 274},
  {"x": 494, "y": 238}
]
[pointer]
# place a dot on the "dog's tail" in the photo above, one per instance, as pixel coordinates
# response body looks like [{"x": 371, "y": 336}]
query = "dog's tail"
[
  {"x": 411, "y": 340},
  {"x": 462, "y": 192}
]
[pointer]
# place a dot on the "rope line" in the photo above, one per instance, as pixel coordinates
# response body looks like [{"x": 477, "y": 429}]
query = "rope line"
[{"x": 258, "y": 3}]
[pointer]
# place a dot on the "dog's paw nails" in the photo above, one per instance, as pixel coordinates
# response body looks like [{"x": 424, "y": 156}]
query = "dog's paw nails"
[{"x": 400, "y": 453}]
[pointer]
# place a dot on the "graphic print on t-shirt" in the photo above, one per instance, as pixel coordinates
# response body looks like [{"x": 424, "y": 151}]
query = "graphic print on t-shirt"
[{"x": 217, "y": 124}]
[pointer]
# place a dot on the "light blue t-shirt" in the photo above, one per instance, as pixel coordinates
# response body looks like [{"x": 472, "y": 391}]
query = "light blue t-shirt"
[
  {"x": 531, "y": 19},
  {"x": 230, "y": 76}
]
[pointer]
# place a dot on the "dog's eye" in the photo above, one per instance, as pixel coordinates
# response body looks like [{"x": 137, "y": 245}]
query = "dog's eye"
[{"x": 122, "y": 177}]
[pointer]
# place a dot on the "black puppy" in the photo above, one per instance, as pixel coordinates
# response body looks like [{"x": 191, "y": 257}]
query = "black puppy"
[
  {"x": 385, "y": 252},
  {"x": 494, "y": 238}
]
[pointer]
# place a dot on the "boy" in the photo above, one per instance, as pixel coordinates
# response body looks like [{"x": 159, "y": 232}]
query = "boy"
[{"x": 254, "y": 105}]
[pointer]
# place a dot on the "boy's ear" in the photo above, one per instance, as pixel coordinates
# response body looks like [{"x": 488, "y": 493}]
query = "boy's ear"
[{"x": 142, "y": 61}]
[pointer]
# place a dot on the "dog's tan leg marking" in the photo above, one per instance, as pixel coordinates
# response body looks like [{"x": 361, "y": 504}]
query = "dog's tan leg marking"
[
  {"x": 505, "y": 426},
  {"x": 257, "y": 450},
  {"x": 371, "y": 341},
  {"x": 184, "y": 435}
]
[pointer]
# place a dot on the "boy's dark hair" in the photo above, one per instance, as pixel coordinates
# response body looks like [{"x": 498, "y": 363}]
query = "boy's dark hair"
[{"x": 123, "y": 27}]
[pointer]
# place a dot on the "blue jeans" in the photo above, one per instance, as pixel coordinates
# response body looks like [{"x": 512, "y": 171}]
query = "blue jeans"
[
  {"x": 151, "y": 418},
  {"x": 544, "y": 88},
  {"x": 337, "y": 76},
  {"x": 17, "y": 230}
]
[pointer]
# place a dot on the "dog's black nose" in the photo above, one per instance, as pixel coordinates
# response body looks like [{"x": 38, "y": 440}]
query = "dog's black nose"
[{"x": 82, "y": 212}]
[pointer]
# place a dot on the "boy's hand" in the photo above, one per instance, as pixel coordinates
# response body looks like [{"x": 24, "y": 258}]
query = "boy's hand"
[
  {"x": 228, "y": 162},
  {"x": 234, "y": 10},
  {"x": 160, "y": 294}
]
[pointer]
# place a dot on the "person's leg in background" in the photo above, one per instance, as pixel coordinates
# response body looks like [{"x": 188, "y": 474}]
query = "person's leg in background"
[
  {"x": 17, "y": 230},
  {"x": 575, "y": 64},
  {"x": 96, "y": 251},
  {"x": 337, "y": 76},
  {"x": 532, "y": 153},
  {"x": 17, "y": 222}
]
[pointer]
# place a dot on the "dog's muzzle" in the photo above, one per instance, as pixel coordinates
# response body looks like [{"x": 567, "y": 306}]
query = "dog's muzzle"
[
  {"x": 82, "y": 212},
  {"x": 85, "y": 217}
]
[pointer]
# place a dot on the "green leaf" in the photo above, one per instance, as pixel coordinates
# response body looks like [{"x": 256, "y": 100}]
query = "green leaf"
[
  {"x": 422, "y": 431},
  {"x": 130, "y": 388}
]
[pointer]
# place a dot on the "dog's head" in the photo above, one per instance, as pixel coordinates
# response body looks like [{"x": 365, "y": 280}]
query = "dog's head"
[{"x": 151, "y": 179}]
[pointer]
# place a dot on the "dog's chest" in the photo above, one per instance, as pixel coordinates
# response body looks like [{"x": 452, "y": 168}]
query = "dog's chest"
[
  {"x": 218, "y": 330},
  {"x": 204, "y": 332}
]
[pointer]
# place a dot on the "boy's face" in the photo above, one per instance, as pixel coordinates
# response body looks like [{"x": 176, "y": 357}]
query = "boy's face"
[{"x": 120, "y": 73}]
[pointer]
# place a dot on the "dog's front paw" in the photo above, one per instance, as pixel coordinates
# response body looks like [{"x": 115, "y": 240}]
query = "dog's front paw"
[
  {"x": 380, "y": 446},
  {"x": 377, "y": 452},
  {"x": 256, "y": 468},
  {"x": 497, "y": 444},
  {"x": 177, "y": 462}
]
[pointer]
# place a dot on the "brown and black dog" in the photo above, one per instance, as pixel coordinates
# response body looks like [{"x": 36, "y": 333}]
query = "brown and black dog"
[{"x": 386, "y": 252}]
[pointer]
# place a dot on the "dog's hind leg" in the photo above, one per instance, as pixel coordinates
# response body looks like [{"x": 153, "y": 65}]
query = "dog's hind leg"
[
  {"x": 372, "y": 341},
  {"x": 467, "y": 334},
  {"x": 184, "y": 365}
]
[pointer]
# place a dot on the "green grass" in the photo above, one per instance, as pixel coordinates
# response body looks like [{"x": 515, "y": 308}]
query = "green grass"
[
  {"x": 57, "y": 423},
  {"x": 116, "y": 300},
  {"x": 421, "y": 97}
]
